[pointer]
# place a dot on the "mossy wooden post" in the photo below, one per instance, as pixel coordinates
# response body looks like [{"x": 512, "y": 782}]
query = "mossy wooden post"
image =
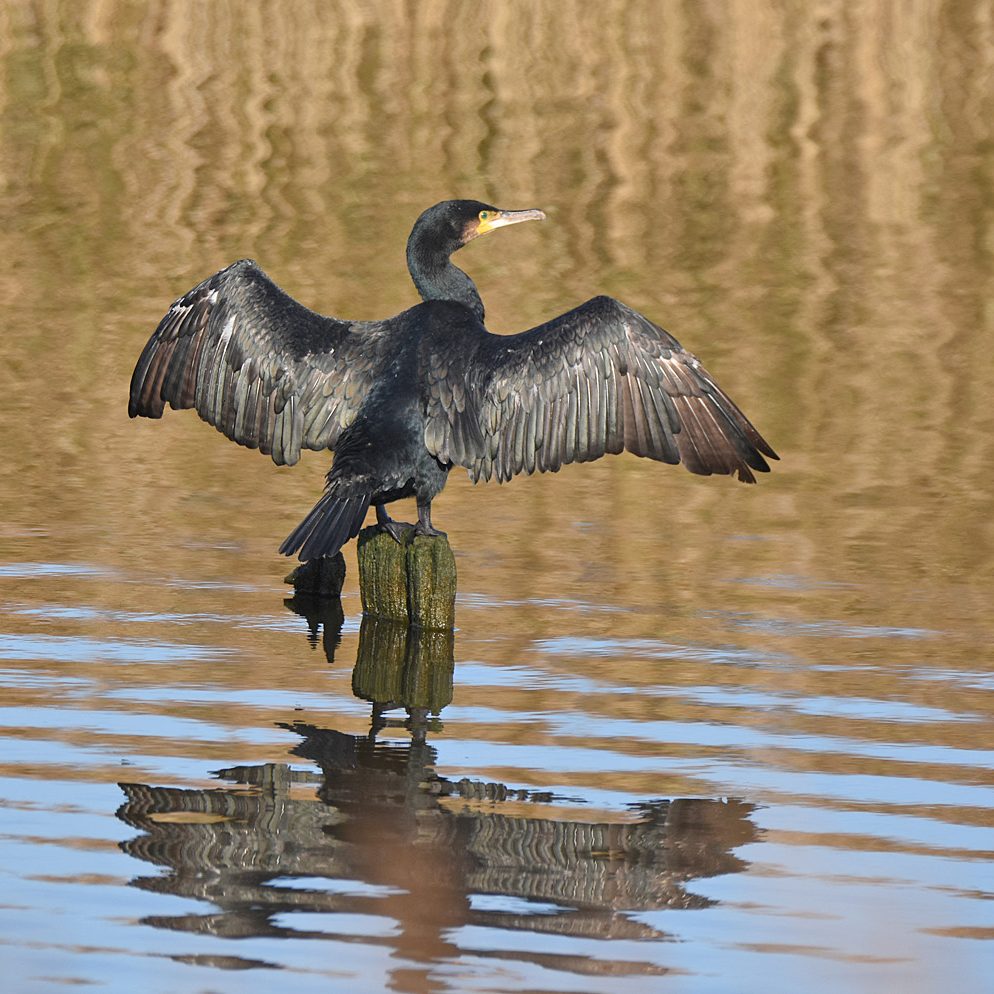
[
  {"x": 431, "y": 583},
  {"x": 319, "y": 577},
  {"x": 382, "y": 575},
  {"x": 413, "y": 582}
]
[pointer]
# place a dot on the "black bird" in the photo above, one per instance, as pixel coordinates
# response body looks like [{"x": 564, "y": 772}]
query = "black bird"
[{"x": 402, "y": 401}]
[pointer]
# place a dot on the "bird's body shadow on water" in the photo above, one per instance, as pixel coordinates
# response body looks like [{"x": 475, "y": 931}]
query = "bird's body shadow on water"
[{"x": 367, "y": 842}]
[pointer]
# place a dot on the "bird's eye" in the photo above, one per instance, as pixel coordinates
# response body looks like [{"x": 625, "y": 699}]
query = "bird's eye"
[{"x": 484, "y": 215}]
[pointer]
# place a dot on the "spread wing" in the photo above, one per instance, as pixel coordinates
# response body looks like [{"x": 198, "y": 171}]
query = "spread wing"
[
  {"x": 264, "y": 370},
  {"x": 599, "y": 379}
]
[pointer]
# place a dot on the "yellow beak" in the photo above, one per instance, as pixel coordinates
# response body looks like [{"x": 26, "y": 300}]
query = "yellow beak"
[{"x": 499, "y": 219}]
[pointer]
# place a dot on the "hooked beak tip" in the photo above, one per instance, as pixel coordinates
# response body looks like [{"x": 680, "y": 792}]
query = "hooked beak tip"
[
  {"x": 500, "y": 219},
  {"x": 514, "y": 216}
]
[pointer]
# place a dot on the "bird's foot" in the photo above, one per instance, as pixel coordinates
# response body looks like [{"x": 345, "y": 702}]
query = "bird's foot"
[
  {"x": 424, "y": 525},
  {"x": 396, "y": 529},
  {"x": 428, "y": 530}
]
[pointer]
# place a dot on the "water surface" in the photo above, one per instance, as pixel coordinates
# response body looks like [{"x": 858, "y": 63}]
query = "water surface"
[{"x": 689, "y": 736}]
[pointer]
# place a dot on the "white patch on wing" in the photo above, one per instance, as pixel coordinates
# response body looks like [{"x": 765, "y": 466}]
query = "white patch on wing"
[{"x": 225, "y": 339}]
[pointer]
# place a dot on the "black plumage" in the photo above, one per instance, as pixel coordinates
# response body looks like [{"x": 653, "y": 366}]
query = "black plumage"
[{"x": 402, "y": 401}]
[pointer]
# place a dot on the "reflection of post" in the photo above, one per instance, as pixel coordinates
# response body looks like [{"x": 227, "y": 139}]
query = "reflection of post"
[
  {"x": 413, "y": 582},
  {"x": 403, "y": 666}
]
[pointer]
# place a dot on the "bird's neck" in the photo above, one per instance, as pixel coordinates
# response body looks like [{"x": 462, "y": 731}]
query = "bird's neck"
[{"x": 436, "y": 278}]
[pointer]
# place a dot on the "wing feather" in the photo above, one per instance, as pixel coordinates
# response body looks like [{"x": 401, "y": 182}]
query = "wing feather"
[
  {"x": 263, "y": 369},
  {"x": 599, "y": 379}
]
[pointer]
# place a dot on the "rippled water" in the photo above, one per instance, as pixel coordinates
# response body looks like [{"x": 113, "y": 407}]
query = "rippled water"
[{"x": 689, "y": 736}]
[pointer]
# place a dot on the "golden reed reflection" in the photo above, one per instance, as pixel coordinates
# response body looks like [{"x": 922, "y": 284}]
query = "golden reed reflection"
[{"x": 802, "y": 194}]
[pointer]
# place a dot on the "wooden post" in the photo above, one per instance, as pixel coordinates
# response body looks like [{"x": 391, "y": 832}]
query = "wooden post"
[
  {"x": 413, "y": 582},
  {"x": 382, "y": 575},
  {"x": 319, "y": 577}
]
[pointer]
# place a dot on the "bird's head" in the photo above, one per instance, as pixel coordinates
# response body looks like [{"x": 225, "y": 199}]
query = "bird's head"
[
  {"x": 442, "y": 230},
  {"x": 449, "y": 225}
]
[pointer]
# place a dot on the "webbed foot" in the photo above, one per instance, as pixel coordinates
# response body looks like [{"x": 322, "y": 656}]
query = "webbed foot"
[
  {"x": 424, "y": 525},
  {"x": 396, "y": 529},
  {"x": 427, "y": 529}
]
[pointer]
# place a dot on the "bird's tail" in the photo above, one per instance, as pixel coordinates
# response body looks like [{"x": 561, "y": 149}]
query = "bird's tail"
[{"x": 328, "y": 526}]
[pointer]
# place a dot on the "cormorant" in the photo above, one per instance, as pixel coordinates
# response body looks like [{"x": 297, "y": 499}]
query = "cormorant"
[{"x": 402, "y": 401}]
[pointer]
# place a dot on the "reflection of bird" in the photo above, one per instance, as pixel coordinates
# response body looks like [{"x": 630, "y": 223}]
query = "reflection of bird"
[{"x": 402, "y": 401}]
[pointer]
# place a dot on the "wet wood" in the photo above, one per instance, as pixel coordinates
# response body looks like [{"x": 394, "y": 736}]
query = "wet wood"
[
  {"x": 319, "y": 577},
  {"x": 431, "y": 583},
  {"x": 413, "y": 582}
]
